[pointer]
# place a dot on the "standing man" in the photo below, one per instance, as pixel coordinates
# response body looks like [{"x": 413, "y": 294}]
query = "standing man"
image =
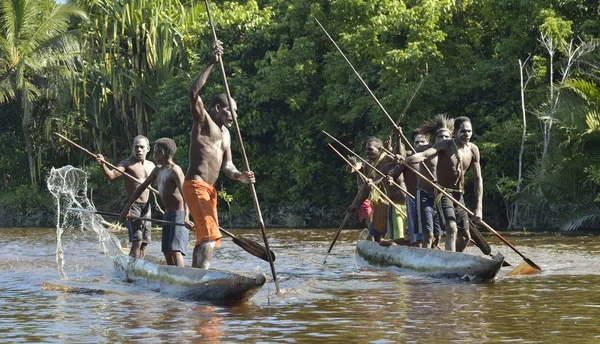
[
  {"x": 140, "y": 168},
  {"x": 439, "y": 129},
  {"x": 420, "y": 143},
  {"x": 371, "y": 206},
  {"x": 210, "y": 151},
  {"x": 169, "y": 178},
  {"x": 455, "y": 157}
]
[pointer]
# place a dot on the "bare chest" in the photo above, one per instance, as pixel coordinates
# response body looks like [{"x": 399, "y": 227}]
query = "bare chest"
[{"x": 140, "y": 170}]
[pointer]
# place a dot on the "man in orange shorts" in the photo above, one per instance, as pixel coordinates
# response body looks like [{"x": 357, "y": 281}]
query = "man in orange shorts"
[{"x": 210, "y": 151}]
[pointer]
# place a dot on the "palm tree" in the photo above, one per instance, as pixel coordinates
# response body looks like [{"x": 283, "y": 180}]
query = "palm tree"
[
  {"x": 36, "y": 50},
  {"x": 130, "y": 50},
  {"x": 566, "y": 189}
]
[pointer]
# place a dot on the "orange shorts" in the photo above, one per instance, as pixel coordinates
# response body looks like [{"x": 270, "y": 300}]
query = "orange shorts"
[{"x": 201, "y": 198}]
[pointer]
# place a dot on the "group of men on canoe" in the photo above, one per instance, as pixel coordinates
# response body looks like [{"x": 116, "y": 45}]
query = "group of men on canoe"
[
  {"x": 444, "y": 160},
  {"x": 182, "y": 194},
  {"x": 442, "y": 155}
]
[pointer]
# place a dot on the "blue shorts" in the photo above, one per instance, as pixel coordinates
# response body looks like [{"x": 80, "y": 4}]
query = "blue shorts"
[
  {"x": 175, "y": 238},
  {"x": 411, "y": 212}
]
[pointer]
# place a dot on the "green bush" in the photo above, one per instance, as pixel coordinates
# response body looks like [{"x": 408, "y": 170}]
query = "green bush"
[{"x": 27, "y": 206}]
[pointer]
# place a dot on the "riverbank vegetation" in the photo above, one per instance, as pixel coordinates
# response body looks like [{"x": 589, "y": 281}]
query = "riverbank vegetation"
[{"x": 101, "y": 72}]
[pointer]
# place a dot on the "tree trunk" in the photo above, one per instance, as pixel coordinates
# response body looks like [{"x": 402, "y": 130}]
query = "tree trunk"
[
  {"x": 30, "y": 154},
  {"x": 139, "y": 117},
  {"x": 515, "y": 219}
]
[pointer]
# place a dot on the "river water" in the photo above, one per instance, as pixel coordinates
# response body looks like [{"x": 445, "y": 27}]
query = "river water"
[{"x": 340, "y": 301}]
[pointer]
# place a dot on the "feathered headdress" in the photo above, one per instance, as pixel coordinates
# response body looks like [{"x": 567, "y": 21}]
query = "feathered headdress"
[{"x": 437, "y": 124}]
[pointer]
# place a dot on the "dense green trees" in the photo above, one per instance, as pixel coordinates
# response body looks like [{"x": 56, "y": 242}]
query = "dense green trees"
[
  {"x": 37, "y": 55},
  {"x": 291, "y": 83}
]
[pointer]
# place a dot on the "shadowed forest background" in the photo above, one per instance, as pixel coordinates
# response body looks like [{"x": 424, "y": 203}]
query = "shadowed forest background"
[{"x": 101, "y": 72}]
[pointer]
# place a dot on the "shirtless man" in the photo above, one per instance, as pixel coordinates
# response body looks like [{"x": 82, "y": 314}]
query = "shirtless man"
[
  {"x": 169, "y": 178},
  {"x": 440, "y": 128},
  {"x": 372, "y": 207},
  {"x": 455, "y": 157},
  {"x": 420, "y": 143},
  {"x": 210, "y": 151},
  {"x": 140, "y": 168}
]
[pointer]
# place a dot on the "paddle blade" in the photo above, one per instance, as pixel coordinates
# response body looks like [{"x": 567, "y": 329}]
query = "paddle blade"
[
  {"x": 253, "y": 248},
  {"x": 525, "y": 268},
  {"x": 479, "y": 239}
]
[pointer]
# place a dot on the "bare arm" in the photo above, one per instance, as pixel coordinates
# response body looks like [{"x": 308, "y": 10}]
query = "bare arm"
[
  {"x": 478, "y": 181},
  {"x": 426, "y": 154},
  {"x": 232, "y": 172},
  {"x": 396, "y": 171},
  {"x": 138, "y": 192},
  {"x": 179, "y": 177},
  {"x": 110, "y": 174},
  {"x": 196, "y": 103}
]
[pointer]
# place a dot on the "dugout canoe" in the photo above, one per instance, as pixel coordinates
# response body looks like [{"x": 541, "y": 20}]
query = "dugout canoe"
[
  {"x": 436, "y": 263},
  {"x": 190, "y": 283}
]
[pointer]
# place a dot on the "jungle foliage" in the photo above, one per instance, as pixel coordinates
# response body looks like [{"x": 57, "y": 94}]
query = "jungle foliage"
[{"x": 137, "y": 59}]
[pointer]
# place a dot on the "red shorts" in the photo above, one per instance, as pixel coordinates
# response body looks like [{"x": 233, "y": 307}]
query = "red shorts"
[{"x": 365, "y": 211}]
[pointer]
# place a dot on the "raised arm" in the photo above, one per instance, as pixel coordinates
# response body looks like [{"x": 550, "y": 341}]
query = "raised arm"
[
  {"x": 478, "y": 182},
  {"x": 138, "y": 192},
  {"x": 196, "y": 103}
]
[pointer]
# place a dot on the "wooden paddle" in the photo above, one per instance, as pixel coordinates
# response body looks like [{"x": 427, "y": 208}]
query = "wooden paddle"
[
  {"x": 245, "y": 158},
  {"x": 248, "y": 245},
  {"x": 476, "y": 235},
  {"x": 534, "y": 268},
  {"x": 480, "y": 242}
]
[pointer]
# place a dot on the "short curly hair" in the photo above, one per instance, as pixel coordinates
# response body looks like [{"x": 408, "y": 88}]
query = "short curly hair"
[{"x": 167, "y": 145}]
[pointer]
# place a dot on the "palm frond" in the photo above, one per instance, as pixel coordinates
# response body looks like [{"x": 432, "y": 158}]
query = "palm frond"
[{"x": 587, "y": 90}]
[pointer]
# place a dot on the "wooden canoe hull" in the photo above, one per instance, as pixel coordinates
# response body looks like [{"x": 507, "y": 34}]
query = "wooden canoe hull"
[
  {"x": 190, "y": 283},
  {"x": 435, "y": 263}
]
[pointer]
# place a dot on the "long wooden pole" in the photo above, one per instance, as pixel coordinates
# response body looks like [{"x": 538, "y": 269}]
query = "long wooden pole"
[
  {"x": 481, "y": 243},
  {"x": 373, "y": 168},
  {"x": 245, "y": 158},
  {"x": 371, "y": 184},
  {"x": 106, "y": 162},
  {"x": 347, "y": 216},
  {"x": 488, "y": 227},
  {"x": 408, "y": 143},
  {"x": 337, "y": 234},
  {"x": 248, "y": 245}
]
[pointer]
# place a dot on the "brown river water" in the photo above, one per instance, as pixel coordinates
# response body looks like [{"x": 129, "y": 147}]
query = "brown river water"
[{"x": 340, "y": 301}]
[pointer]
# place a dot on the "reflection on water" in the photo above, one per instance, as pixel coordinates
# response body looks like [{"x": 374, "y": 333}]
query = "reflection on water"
[{"x": 336, "y": 302}]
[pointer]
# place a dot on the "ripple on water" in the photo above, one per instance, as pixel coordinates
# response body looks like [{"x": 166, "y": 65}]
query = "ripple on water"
[{"x": 339, "y": 301}]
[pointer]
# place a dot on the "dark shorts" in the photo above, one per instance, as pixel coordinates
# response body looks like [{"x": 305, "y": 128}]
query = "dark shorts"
[
  {"x": 175, "y": 238},
  {"x": 411, "y": 212},
  {"x": 138, "y": 229},
  {"x": 449, "y": 212},
  {"x": 427, "y": 217}
]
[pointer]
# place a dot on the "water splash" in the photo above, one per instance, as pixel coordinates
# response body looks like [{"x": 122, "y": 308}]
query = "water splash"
[{"x": 68, "y": 185}]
